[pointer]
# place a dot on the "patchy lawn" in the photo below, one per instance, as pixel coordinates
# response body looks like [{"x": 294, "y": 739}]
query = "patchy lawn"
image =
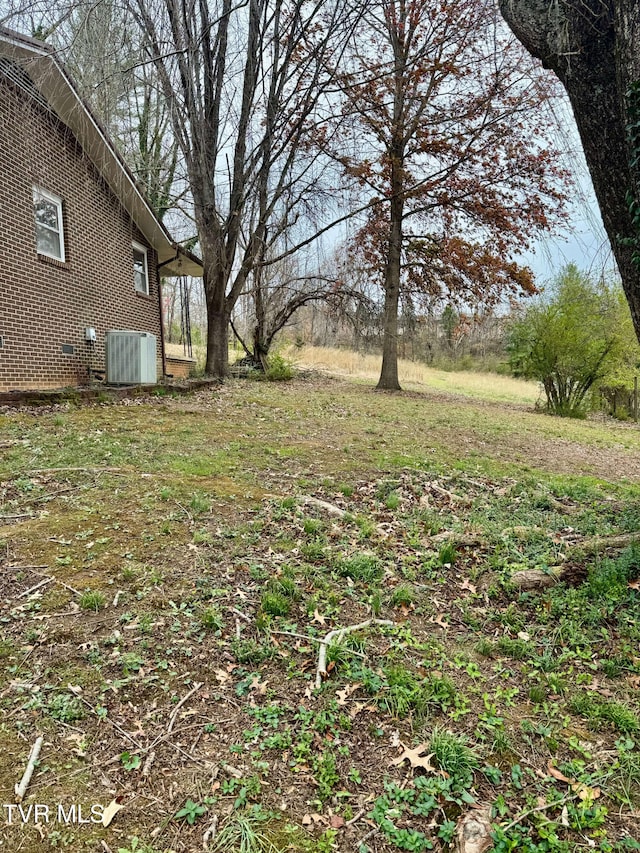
[{"x": 171, "y": 567}]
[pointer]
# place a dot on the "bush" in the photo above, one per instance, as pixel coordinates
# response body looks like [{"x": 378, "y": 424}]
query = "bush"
[
  {"x": 279, "y": 369},
  {"x": 572, "y": 339}
]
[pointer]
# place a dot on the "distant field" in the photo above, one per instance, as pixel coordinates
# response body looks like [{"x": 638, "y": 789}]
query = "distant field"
[{"x": 415, "y": 375}]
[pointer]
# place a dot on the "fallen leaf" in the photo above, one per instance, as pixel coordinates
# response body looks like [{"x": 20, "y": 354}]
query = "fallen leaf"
[
  {"x": 466, "y": 584},
  {"x": 634, "y": 584},
  {"x": 221, "y": 676},
  {"x": 522, "y": 635},
  {"x": 355, "y": 709},
  {"x": 343, "y": 695},
  {"x": 260, "y": 686},
  {"x": 439, "y": 620},
  {"x": 416, "y": 758},
  {"x": 585, "y": 792},
  {"x": 318, "y": 617},
  {"x": 336, "y": 821},
  {"x": 553, "y": 771},
  {"x": 306, "y": 820},
  {"x": 110, "y": 812},
  {"x": 564, "y": 816}
]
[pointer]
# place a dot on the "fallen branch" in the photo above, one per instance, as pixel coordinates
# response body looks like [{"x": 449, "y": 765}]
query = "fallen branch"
[
  {"x": 21, "y": 788},
  {"x": 337, "y": 636},
  {"x": 332, "y": 509},
  {"x": 84, "y": 470},
  {"x": 111, "y": 722},
  {"x": 529, "y": 579},
  {"x": 434, "y": 487},
  {"x": 601, "y": 543},
  {"x": 50, "y": 578},
  {"x": 464, "y": 540},
  {"x": 536, "y": 578}
]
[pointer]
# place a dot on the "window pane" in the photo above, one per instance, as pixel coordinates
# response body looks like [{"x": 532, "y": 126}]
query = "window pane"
[
  {"x": 47, "y": 213},
  {"x": 47, "y": 241},
  {"x": 139, "y": 271}
]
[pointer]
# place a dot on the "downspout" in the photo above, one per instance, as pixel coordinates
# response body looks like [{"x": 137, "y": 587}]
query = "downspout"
[{"x": 162, "y": 349}]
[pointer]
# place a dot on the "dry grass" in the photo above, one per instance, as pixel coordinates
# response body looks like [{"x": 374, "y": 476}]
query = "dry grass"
[{"x": 417, "y": 376}]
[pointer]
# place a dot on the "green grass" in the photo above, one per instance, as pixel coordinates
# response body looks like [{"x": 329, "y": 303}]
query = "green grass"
[{"x": 183, "y": 522}]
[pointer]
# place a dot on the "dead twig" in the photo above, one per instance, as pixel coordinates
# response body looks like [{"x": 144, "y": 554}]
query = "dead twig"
[
  {"x": 54, "y": 578},
  {"x": 111, "y": 722},
  {"x": 298, "y": 636},
  {"x": 174, "y": 713},
  {"x": 37, "y": 586},
  {"x": 356, "y": 817},
  {"x": 21, "y": 787},
  {"x": 337, "y": 636},
  {"x": 542, "y": 808},
  {"x": 241, "y": 614},
  {"x": 368, "y": 836}
]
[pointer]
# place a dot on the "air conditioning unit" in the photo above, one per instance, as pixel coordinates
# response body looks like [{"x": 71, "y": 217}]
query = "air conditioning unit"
[{"x": 131, "y": 358}]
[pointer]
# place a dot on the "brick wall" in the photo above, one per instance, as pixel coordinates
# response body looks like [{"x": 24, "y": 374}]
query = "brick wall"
[
  {"x": 180, "y": 368},
  {"x": 45, "y": 304}
]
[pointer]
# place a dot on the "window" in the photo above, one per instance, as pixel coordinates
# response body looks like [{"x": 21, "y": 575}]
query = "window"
[
  {"x": 47, "y": 211},
  {"x": 140, "y": 271}
]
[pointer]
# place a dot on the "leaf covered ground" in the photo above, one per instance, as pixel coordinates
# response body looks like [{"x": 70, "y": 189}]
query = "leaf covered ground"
[{"x": 169, "y": 569}]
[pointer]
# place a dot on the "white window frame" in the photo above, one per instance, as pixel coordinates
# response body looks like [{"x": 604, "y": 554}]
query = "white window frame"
[
  {"x": 138, "y": 247},
  {"x": 39, "y": 193}
]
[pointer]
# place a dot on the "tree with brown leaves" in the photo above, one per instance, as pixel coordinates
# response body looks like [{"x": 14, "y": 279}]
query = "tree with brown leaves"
[{"x": 447, "y": 139}]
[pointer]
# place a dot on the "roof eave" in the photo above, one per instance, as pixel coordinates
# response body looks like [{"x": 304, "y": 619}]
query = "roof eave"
[{"x": 58, "y": 90}]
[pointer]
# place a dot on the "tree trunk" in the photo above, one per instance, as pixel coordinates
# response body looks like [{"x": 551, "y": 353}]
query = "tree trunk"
[
  {"x": 593, "y": 46},
  {"x": 217, "y": 364},
  {"x": 214, "y": 282},
  {"x": 389, "y": 374}
]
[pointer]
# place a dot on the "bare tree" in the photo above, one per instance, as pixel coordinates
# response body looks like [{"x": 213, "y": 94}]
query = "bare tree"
[{"x": 242, "y": 83}]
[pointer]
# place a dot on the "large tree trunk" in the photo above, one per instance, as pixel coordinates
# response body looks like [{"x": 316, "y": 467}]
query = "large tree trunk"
[
  {"x": 214, "y": 282},
  {"x": 593, "y": 46},
  {"x": 217, "y": 344}
]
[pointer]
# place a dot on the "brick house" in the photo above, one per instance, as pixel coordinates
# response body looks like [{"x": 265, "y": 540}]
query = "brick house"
[{"x": 81, "y": 252}]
